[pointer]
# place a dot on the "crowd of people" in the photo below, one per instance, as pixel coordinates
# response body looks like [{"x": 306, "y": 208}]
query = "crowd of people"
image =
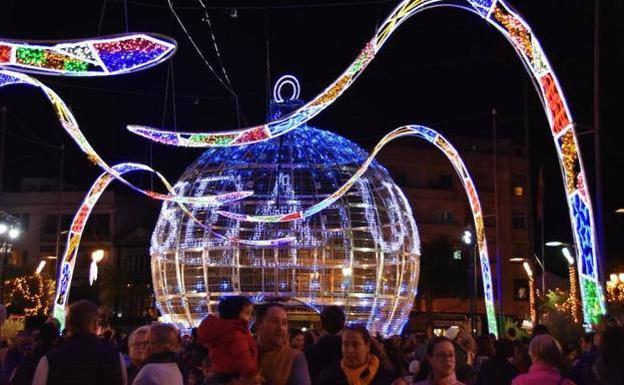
[{"x": 222, "y": 350}]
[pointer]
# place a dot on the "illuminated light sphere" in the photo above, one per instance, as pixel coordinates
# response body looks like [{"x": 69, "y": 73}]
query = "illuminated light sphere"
[{"x": 361, "y": 253}]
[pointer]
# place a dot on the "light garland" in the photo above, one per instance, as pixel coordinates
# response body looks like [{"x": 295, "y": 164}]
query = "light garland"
[
  {"x": 615, "y": 289},
  {"x": 34, "y": 290},
  {"x": 103, "y": 56},
  {"x": 522, "y": 38}
]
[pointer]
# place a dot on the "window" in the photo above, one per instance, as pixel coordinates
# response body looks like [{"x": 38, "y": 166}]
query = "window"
[
  {"x": 51, "y": 223},
  {"x": 518, "y": 183},
  {"x": 521, "y": 290},
  {"x": 518, "y": 220},
  {"x": 445, "y": 182},
  {"x": 447, "y": 217}
]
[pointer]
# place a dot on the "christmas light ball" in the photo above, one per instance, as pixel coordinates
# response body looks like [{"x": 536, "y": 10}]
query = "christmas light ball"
[{"x": 361, "y": 253}]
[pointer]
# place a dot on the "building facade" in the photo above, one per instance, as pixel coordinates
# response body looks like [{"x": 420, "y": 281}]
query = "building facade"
[
  {"x": 115, "y": 226},
  {"x": 441, "y": 208}
]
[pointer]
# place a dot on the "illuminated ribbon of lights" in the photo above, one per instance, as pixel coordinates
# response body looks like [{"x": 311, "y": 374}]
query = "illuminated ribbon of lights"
[
  {"x": 105, "y": 56},
  {"x": 529, "y": 50},
  {"x": 453, "y": 156},
  {"x": 69, "y": 123},
  {"x": 80, "y": 220}
]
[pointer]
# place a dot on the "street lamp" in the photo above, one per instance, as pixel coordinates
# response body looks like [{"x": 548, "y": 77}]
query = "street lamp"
[
  {"x": 96, "y": 257},
  {"x": 529, "y": 272},
  {"x": 468, "y": 240},
  {"x": 40, "y": 267},
  {"x": 9, "y": 231}
]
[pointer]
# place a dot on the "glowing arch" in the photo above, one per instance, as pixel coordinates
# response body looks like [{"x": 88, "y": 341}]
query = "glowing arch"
[{"x": 523, "y": 40}]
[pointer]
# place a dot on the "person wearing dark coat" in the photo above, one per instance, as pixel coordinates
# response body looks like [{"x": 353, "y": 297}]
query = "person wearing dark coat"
[
  {"x": 498, "y": 370},
  {"x": 83, "y": 359},
  {"x": 328, "y": 349},
  {"x": 358, "y": 365}
]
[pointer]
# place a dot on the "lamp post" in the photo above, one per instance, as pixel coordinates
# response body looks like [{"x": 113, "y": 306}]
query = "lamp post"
[
  {"x": 9, "y": 231},
  {"x": 467, "y": 239},
  {"x": 96, "y": 257},
  {"x": 572, "y": 273},
  {"x": 532, "y": 310},
  {"x": 567, "y": 254}
]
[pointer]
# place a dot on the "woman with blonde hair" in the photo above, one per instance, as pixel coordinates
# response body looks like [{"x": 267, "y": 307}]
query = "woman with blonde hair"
[{"x": 547, "y": 357}]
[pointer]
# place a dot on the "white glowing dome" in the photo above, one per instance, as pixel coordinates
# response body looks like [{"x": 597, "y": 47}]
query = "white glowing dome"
[{"x": 361, "y": 253}]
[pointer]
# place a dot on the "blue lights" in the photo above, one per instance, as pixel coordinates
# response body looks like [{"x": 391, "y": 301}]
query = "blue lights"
[{"x": 583, "y": 231}]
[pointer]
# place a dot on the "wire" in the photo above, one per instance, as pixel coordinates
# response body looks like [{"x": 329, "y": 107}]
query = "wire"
[
  {"x": 289, "y": 6},
  {"x": 214, "y": 43},
  {"x": 99, "y": 30},
  {"x": 125, "y": 3},
  {"x": 179, "y": 20}
]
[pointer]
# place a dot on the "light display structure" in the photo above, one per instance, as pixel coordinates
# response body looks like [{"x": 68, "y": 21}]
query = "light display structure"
[
  {"x": 528, "y": 48},
  {"x": 360, "y": 253}
]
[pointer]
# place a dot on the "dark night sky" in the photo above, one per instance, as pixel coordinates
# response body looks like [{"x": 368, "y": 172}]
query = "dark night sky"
[{"x": 444, "y": 68}]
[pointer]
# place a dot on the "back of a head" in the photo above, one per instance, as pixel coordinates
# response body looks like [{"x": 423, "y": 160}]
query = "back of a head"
[
  {"x": 609, "y": 366},
  {"x": 332, "y": 319},
  {"x": 167, "y": 334},
  {"x": 504, "y": 348},
  {"x": 230, "y": 307},
  {"x": 545, "y": 349},
  {"x": 141, "y": 330},
  {"x": 82, "y": 316},
  {"x": 48, "y": 334}
]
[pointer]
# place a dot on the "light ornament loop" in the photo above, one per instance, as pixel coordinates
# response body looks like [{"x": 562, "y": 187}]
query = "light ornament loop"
[
  {"x": 281, "y": 82},
  {"x": 519, "y": 34}
]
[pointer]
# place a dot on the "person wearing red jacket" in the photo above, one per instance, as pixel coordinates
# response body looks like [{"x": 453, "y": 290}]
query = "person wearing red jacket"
[{"x": 231, "y": 346}]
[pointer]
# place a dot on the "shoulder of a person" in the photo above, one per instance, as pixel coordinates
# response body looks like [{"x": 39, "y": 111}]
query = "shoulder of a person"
[{"x": 333, "y": 371}]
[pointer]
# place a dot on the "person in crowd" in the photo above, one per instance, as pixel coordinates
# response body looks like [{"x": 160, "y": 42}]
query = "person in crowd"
[
  {"x": 498, "y": 370},
  {"x": 547, "y": 357},
  {"x": 160, "y": 366},
  {"x": 45, "y": 341},
  {"x": 297, "y": 340},
  {"x": 231, "y": 347},
  {"x": 609, "y": 367},
  {"x": 83, "y": 358},
  {"x": 464, "y": 352},
  {"x": 192, "y": 353},
  {"x": 328, "y": 348},
  {"x": 137, "y": 343},
  {"x": 521, "y": 359},
  {"x": 582, "y": 368},
  {"x": 279, "y": 363},
  {"x": 195, "y": 377},
  {"x": 358, "y": 366},
  {"x": 485, "y": 351},
  {"x": 24, "y": 343},
  {"x": 395, "y": 355},
  {"x": 441, "y": 359}
]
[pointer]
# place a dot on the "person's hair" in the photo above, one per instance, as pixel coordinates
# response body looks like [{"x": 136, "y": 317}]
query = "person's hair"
[
  {"x": 361, "y": 330},
  {"x": 546, "y": 349},
  {"x": 142, "y": 330},
  {"x": 511, "y": 332},
  {"x": 294, "y": 333},
  {"x": 609, "y": 362},
  {"x": 332, "y": 319},
  {"x": 485, "y": 346},
  {"x": 230, "y": 307},
  {"x": 588, "y": 338},
  {"x": 434, "y": 342},
  {"x": 504, "y": 348},
  {"x": 540, "y": 329},
  {"x": 81, "y": 316},
  {"x": 262, "y": 310},
  {"x": 167, "y": 334},
  {"x": 48, "y": 334}
]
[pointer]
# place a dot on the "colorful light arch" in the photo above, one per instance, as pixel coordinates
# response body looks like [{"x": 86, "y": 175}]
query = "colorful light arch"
[{"x": 515, "y": 29}]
